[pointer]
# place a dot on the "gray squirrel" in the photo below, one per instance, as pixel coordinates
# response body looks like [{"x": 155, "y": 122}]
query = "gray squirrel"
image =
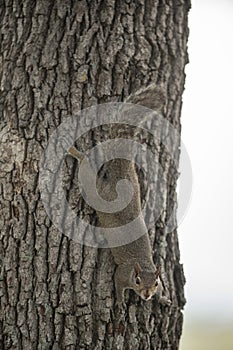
[{"x": 135, "y": 267}]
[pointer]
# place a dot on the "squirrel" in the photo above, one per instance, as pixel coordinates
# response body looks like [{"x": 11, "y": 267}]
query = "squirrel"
[{"x": 135, "y": 267}]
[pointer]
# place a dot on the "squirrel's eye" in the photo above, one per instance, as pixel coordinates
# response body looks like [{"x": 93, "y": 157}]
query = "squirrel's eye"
[
  {"x": 138, "y": 280},
  {"x": 156, "y": 284}
]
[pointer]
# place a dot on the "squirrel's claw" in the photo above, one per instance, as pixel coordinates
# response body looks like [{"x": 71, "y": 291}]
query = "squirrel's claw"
[
  {"x": 121, "y": 305},
  {"x": 165, "y": 301}
]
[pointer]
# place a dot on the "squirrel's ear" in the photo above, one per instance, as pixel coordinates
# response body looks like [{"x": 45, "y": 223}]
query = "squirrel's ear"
[
  {"x": 137, "y": 268},
  {"x": 157, "y": 272}
]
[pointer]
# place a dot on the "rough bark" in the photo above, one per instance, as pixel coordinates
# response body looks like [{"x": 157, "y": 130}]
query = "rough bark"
[{"x": 57, "y": 57}]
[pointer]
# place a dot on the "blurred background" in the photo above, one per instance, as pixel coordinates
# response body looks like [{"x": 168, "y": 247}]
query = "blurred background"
[{"x": 206, "y": 235}]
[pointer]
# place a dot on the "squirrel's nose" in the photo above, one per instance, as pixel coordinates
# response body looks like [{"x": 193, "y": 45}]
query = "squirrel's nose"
[{"x": 146, "y": 294}]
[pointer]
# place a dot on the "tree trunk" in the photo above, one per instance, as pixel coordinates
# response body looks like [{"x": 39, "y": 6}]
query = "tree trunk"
[{"x": 58, "y": 57}]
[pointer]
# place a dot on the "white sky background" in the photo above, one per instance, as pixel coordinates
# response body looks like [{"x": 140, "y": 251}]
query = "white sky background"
[{"x": 206, "y": 233}]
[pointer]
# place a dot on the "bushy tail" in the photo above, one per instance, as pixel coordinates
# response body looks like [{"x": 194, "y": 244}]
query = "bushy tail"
[{"x": 150, "y": 96}]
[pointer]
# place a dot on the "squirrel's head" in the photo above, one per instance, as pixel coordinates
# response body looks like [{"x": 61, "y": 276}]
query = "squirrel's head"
[{"x": 145, "y": 283}]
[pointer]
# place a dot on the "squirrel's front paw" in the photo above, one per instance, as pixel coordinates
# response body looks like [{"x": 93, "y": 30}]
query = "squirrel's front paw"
[
  {"x": 121, "y": 305},
  {"x": 165, "y": 301}
]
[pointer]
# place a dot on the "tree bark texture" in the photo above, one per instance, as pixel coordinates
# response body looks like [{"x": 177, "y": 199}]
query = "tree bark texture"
[{"x": 57, "y": 57}]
